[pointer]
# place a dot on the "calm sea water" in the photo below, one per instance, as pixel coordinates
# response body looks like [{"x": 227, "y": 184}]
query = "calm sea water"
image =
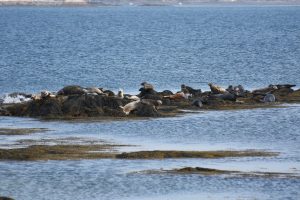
[{"x": 47, "y": 48}]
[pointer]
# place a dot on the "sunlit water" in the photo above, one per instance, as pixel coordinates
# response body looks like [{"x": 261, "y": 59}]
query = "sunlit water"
[{"x": 46, "y": 48}]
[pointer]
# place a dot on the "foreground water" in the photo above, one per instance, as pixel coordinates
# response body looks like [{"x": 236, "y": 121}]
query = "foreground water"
[
  {"x": 265, "y": 129},
  {"x": 46, "y": 48}
]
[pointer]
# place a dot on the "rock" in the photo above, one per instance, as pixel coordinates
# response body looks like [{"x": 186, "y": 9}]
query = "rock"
[
  {"x": 71, "y": 90},
  {"x": 49, "y": 107},
  {"x": 4, "y": 112},
  {"x": 145, "y": 110},
  {"x": 17, "y": 94},
  {"x": 6, "y": 198}
]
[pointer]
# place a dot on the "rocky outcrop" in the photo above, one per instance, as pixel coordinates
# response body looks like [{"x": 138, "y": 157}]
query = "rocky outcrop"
[{"x": 76, "y": 101}]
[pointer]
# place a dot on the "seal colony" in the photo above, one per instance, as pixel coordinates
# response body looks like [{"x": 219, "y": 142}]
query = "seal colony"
[{"x": 79, "y": 102}]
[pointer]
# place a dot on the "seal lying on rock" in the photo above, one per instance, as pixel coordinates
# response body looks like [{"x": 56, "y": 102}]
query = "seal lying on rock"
[
  {"x": 132, "y": 97},
  {"x": 43, "y": 95},
  {"x": 130, "y": 107},
  {"x": 197, "y": 103},
  {"x": 194, "y": 92},
  {"x": 147, "y": 91},
  {"x": 280, "y": 86},
  {"x": 154, "y": 103},
  {"x": 269, "y": 98},
  {"x": 216, "y": 89},
  {"x": 268, "y": 89},
  {"x": 226, "y": 96},
  {"x": 147, "y": 86},
  {"x": 120, "y": 94},
  {"x": 178, "y": 96},
  {"x": 94, "y": 90},
  {"x": 72, "y": 90},
  {"x": 237, "y": 90}
]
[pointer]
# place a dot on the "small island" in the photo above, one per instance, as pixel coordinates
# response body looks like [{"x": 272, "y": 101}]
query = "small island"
[{"x": 75, "y": 102}]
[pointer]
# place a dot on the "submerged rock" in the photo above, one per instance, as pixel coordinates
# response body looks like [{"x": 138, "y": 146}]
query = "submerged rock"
[{"x": 6, "y": 198}]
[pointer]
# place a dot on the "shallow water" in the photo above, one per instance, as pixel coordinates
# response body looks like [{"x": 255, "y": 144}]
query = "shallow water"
[{"x": 46, "y": 48}]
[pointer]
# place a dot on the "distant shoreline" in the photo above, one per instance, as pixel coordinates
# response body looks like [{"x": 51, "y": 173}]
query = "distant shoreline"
[{"x": 100, "y": 4}]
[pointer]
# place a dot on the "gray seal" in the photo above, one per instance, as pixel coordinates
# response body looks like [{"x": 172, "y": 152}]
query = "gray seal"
[
  {"x": 197, "y": 103},
  {"x": 269, "y": 98},
  {"x": 71, "y": 90}
]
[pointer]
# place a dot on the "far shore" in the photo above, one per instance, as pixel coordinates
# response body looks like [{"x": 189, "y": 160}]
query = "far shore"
[{"x": 100, "y": 4}]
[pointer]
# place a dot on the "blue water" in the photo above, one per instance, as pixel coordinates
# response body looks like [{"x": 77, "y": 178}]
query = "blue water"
[
  {"x": 46, "y": 48},
  {"x": 112, "y": 47}
]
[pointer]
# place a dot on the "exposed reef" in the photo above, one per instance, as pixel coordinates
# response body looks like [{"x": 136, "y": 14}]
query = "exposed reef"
[
  {"x": 67, "y": 151},
  {"x": 213, "y": 172},
  {"x": 192, "y": 154},
  {"x": 21, "y": 131},
  {"x": 79, "y": 102}
]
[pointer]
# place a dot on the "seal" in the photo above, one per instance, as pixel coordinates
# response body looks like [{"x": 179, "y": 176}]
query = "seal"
[
  {"x": 154, "y": 103},
  {"x": 194, "y": 92},
  {"x": 269, "y": 98},
  {"x": 109, "y": 93},
  {"x": 265, "y": 90},
  {"x": 286, "y": 86},
  {"x": 132, "y": 97},
  {"x": 215, "y": 89},
  {"x": 198, "y": 103},
  {"x": 237, "y": 90},
  {"x": 147, "y": 86},
  {"x": 130, "y": 107},
  {"x": 45, "y": 94},
  {"x": 71, "y": 90},
  {"x": 120, "y": 94},
  {"x": 226, "y": 96},
  {"x": 94, "y": 90},
  {"x": 178, "y": 96}
]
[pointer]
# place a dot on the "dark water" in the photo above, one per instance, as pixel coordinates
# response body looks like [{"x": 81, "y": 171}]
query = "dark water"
[{"x": 46, "y": 48}]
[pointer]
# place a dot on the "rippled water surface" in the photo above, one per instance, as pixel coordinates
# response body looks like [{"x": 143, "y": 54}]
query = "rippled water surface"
[{"x": 46, "y": 48}]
